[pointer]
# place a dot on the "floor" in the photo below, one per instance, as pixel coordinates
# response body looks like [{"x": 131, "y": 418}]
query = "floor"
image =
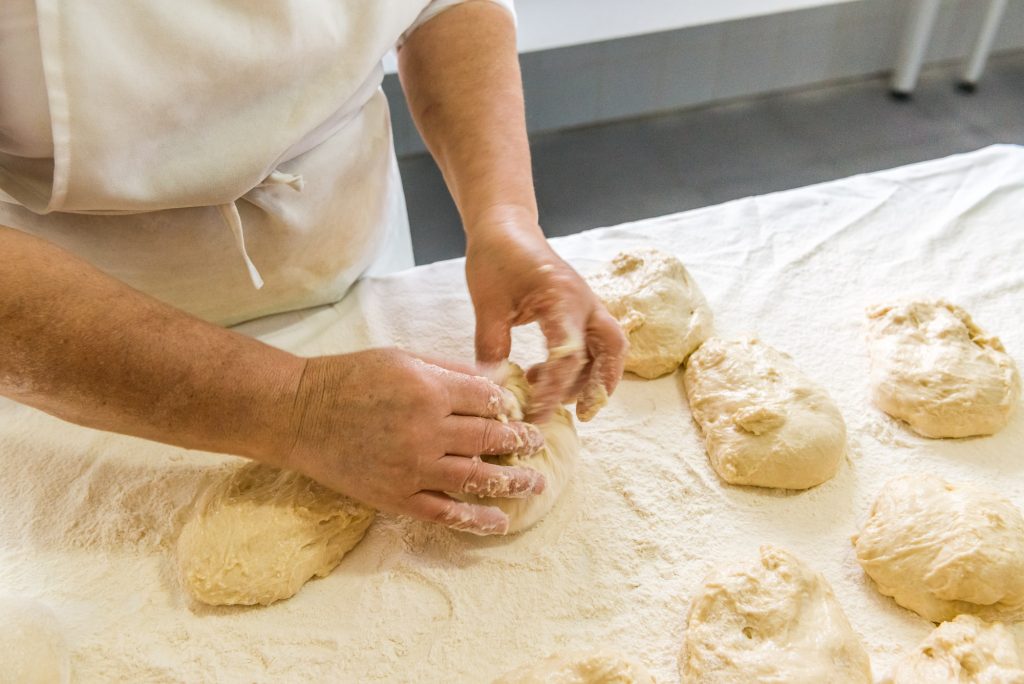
[{"x": 627, "y": 170}]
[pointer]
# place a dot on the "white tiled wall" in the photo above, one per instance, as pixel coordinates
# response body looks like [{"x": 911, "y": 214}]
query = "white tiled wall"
[{"x": 634, "y": 76}]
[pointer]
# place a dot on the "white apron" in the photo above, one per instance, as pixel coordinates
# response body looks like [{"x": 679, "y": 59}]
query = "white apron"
[{"x": 230, "y": 157}]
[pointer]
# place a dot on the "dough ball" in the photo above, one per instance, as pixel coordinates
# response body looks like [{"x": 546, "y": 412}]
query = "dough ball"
[
  {"x": 659, "y": 307},
  {"x": 764, "y": 422},
  {"x": 774, "y": 621},
  {"x": 932, "y": 367},
  {"x": 260, "y": 534},
  {"x": 557, "y": 461},
  {"x": 941, "y": 549},
  {"x": 967, "y": 650},
  {"x": 32, "y": 645},
  {"x": 580, "y": 668}
]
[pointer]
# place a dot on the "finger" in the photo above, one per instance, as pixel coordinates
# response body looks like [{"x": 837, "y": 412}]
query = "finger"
[
  {"x": 555, "y": 378},
  {"x": 444, "y": 510},
  {"x": 493, "y": 339},
  {"x": 607, "y": 346},
  {"x": 469, "y": 436},
  {"x": 583, "y": 379},
  {"x": 477, "y": 477},
  {"x": 475, "y": 395},
  {"x": 451, "y": 364}
]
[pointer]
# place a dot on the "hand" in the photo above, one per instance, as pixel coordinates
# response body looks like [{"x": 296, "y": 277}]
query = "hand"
[
  {"x": 396, "y": 432},
  {"x": 516, "y": 278}
]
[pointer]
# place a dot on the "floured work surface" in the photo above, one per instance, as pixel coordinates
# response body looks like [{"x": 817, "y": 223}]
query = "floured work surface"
[{"x": 88, "y": 520}]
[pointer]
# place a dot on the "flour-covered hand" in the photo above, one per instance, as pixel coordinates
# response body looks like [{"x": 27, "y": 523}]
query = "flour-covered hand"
[
  {"x": 396, "y": 432},
  {"x": 516, "y": 278}
]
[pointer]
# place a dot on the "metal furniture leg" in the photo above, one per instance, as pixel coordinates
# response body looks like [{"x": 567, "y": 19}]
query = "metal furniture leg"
[
  {"x": 915, "y": 43},
  {"x": 982, "y": 46}
]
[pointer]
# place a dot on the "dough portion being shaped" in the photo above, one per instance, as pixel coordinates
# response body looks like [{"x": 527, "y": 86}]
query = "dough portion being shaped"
[
  {"x": 933, "y": 368},
  {"x": 659, "y": 308},
  {"x": 557, "y": 461},
  {"x": 773, "y": 621},
  {"x": 764, "y": 422},
  {"x": 32, "y": 645},
  {"x": 580, "y": 668},
  {"x": 941, "y": 549},
  {"x": 967, "y": 650},
  {"x": 261, "y": 533}
]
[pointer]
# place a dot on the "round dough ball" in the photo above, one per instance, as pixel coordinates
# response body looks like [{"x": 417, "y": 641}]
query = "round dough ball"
[
  {"x": 774, "y": 621},
  {"x": 967, "y": 650},
  {"x": 932, "y": 367},
  {"x": 580, "y": 668},
  {"x": 764, "y": 422},
  {"x": 32, "y": 645},
  {"x": 659, "y": 308},
  {"x": 557, "y": 461},
  {"x": 941, "y": 549},
  {"x": 258, "y": 535}
]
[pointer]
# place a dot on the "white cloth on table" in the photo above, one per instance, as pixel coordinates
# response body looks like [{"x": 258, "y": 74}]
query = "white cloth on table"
[{"x": 87, "y": 516}]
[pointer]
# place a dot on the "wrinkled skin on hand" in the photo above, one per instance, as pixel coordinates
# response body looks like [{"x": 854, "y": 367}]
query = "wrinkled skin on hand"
[
  {"x": 395, "y": 431},
  {"x": 515, "y": 278}
]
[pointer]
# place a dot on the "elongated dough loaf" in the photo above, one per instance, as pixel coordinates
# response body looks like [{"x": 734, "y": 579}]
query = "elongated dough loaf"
[
  {"x": 942, "y": 549},
  {"x": 774, "y": 620},
  {"x": 966, "y": 650},
  {"x": 658, "y": 306},
  {"x": 261, "y": 533},
  {"x": 933, "y": 368},
  {"x": 764, "y": 422}
]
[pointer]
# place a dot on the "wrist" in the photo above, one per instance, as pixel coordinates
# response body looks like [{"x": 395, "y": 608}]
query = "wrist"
[
  {"x": 502, "y": 219},
  {"x": 268, "y": 435}
]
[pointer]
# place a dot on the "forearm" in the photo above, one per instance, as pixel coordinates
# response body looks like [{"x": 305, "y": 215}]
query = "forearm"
[
  {"x": 460, "y": 72},
  {"x": 82, "y": 346}
]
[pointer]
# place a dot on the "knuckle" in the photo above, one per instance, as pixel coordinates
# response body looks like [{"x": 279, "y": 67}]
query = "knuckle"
[
  {"x": 471, "y": 477},
  {"x": 489, "y": 438},
  {"x": 616, "y": 341},
  {"x": 444, "y": 514}
]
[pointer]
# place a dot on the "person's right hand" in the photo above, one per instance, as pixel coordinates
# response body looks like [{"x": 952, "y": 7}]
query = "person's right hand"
[{"x": 395, "y": 432}]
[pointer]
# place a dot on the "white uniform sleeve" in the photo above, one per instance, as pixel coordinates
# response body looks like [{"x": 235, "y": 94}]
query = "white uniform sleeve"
[{"x": 437, "y": 6}]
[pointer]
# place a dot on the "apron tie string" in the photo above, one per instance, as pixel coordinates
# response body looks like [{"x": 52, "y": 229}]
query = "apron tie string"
[
  {"x": 229, "y": 212},
  {"x": 293, "y": 181}
]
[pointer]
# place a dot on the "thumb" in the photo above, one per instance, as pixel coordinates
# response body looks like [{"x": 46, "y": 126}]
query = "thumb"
[{"x": 493, "y": 339}]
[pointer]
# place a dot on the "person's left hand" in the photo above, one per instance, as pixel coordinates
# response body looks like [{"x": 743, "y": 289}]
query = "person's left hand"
[{"x": 516, "y": 278}]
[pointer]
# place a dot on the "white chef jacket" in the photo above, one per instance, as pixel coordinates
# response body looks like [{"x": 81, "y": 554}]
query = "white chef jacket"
[{"x": 230, "y": 157}]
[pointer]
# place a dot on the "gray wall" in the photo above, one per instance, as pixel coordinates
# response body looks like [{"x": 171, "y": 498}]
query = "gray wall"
[{"x": 690, "y": 67}]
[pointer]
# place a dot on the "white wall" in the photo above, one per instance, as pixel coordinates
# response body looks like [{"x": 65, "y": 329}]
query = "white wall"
[{"x": 694, "y": 66}]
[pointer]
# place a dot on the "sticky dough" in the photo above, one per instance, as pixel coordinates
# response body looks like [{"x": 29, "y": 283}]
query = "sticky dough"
[
  {"x": 764, "y": 422},
  {"x": 967, "y": 650},
  {"x": 581, "y": 668},
  {"x": 773, "y": 621},
  {"x": 941, "y": 549},
  {"x": 658, "y": 306},
  {"x": 557, "y": 461},
  {"x": 261, "y": 533},
  {"x": 932, "y": 367}
]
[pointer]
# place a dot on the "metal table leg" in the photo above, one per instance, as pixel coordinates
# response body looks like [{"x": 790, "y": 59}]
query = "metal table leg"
[
  {"x": 983, "y": 45},
  {"x": 915, "y": 43}
]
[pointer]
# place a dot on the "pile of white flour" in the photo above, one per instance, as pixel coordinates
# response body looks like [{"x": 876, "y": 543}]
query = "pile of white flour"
[{"x": 88, "y": 520}]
